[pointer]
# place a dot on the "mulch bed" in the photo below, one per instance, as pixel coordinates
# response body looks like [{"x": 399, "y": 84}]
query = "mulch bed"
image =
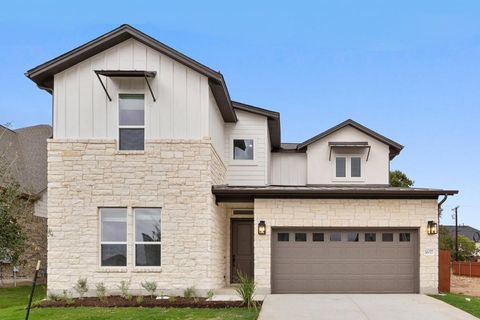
[{"x": 148, "y": 302}]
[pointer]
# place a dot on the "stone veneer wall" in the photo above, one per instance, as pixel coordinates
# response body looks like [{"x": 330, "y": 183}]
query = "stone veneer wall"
[
  {"x": 343, "y": 213},
  {"x": 175, "y": 175}
]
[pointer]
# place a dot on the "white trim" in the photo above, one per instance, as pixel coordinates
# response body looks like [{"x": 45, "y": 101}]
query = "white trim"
[
  {"x": 125, "y": 91},
  {"x": 348, "y": 167},
  {"x": 242, "y": 162},
  {"x": 135, "y": 242},
  {"x": 100, "y": 242}
]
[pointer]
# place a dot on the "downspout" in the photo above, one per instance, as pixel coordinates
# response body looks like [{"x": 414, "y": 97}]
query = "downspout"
[
  {"x": 438, "y": 239},
  {"x": 440, "y": 206}
]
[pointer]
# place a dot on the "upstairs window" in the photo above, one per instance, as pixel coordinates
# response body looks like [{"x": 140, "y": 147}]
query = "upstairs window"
[
  {"x": 131, "y": 120},
  {"x": 348, "y": 167},
  {"x": 243, "y": 149}
]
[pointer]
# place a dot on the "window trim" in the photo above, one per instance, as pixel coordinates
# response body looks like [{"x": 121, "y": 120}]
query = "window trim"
[
  {"x": 131, "y": 126},
  {"x": 135, "y": 242},
  {"x": 100, "y": 242},
  {"x": 244, "y": 162},
  {"x": 348, "y": 167}
]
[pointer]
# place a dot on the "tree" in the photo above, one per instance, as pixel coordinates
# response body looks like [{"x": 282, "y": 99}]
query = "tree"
[
  {"x": 466, "y": 247},
  {"x": 14, "y": 205},
  {"x": 400, "y": 179}
]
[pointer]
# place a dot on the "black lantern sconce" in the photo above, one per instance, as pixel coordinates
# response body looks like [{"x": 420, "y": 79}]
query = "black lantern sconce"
[
  {"x": 432, "y": 227},
  {"x": 262, "y": 228}
]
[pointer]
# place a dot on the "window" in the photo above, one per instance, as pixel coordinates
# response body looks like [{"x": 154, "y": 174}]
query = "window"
[
  {"x": 335, "y": 236},
  {"x": 404, "y": 237},
  {"x": 300, "y": 237},
  {"x": 318, "y": 237},
  {"x": 283, "y": 236},
  {"x": 370, "y": 237},
  {"x": 131, "y": 121},
  {"x": 355, "y": 167},
  {"x": 341, "y": 167},
  {"x": 113, "y": 237},
  {"x": 387, "y": 237},
  {"x": 353, "y": 236},
  {"x": 348, "y": 167},
  {"x": 148, "y": 237},
  {"x": 243, "y": 149}
]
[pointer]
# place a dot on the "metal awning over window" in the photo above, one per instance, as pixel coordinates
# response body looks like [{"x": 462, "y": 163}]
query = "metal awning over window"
[
  {"x": 126, "y": 74},
  {"x": 358, "y": 144}
]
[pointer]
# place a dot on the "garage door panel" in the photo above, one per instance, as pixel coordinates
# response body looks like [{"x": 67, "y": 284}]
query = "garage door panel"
[{"x": 344, "y": 266}]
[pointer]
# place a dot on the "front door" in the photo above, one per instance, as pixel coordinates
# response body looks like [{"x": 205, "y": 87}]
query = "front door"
[{"x": 242, "y": 248}]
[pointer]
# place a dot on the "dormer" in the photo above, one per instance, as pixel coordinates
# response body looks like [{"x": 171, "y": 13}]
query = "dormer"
[{"x": 349, "y": 153}]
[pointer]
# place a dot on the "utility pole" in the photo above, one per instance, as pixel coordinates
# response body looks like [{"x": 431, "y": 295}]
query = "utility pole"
[{"x": 456, "y": 231}]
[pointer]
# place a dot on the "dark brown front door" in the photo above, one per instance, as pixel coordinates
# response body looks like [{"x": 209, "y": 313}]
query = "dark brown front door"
[{"x": 242, "y": 248}]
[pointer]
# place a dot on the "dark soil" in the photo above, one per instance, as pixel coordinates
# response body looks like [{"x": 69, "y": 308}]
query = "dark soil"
[{"x": 148, "y": 302}]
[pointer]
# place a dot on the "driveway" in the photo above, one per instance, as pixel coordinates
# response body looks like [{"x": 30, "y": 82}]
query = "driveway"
[{"x": 358, "y": 307}]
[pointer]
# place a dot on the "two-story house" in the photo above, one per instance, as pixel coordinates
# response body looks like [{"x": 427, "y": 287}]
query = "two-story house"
[{"x": 154, "y": 173}]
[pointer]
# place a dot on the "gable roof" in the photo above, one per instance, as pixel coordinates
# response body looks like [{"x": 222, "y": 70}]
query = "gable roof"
[
  {"x": 395, "y": 147},
  {"x": 26, "y": 150},
  {"x": 273, "y": 118},
  {"x": 43, "y": 74},
  {"x": 463, "y": 230}
]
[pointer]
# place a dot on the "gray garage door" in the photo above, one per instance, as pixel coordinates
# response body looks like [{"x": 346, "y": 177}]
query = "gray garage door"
[{"x": 350, "y": 260}]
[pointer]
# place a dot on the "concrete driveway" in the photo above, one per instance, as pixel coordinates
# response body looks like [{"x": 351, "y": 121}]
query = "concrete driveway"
[{"x": 358, "y": 307}]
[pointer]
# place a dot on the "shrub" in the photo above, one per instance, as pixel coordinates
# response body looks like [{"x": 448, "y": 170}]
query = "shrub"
[
  {"x": 189, "y": 292},
  {"x": 172, "y": 299},
  {"x": 150, "y": 286},
  {"x": 81, "y": 287},
  {"x": 53, "y": 296},
  {"x": 124, "y": 287},
  {"x": 139, "y": 299},
  {"x": 101, "y": 290},
  {"x": 246, "y": 290},
  {"x": 67, "y": 297},
  {"x": 210, "y": 294}
]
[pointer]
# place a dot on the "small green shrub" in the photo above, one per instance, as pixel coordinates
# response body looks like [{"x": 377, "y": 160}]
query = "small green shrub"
[
  {"x": 139, "y": 299},
  {"x": 53, "y": 296},
  {"x": 67, "y": 297},
  {"x": 150, "y": 286},
  {"x": 81, "y": 287},
  {"x": 172, "y": 299},
  {"x": 210, "y": 294},
  {"x": 101, "y": 290},
  {"x": 124, "y": 286},
  {"x": 189, "y": 292},
  {"x": 246, "y": 290}
]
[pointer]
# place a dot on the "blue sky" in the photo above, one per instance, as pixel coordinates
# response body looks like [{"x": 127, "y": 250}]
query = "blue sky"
[{"x": 409, "y": 70}]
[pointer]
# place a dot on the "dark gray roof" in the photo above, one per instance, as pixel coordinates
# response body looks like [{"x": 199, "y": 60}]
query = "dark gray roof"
[
  {"x": 26, "y": 150},
  {"x": 463, "y": 230},
  {"x": 248, "y": 193},
  {"x": 43, "y": 74},
  {"x": 395, "y": 147}
]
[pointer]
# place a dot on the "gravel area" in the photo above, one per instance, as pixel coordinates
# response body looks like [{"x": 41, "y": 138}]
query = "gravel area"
[{"x": 465, "y": 285}]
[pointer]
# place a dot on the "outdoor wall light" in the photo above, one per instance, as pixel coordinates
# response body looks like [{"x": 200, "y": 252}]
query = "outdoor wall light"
[
  {"x": 432, "y": 227},
  {"x": 262, "y": 228}
]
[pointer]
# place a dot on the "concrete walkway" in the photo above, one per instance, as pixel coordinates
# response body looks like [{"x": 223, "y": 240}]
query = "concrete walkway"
[{"x": 358, "y": 307}]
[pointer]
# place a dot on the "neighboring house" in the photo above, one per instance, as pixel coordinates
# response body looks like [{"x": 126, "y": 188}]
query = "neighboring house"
[
  {"x": 24, "y": 152},
  {"x": 466, "y": 231},
  {"x": 155, "y": 174}
]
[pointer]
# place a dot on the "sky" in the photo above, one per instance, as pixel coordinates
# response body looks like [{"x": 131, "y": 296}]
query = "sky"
[{"x": 409, "y": 70}]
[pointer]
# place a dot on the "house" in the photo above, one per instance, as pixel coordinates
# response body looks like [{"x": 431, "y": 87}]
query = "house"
[
  {"x": 23, "y": 154},
  {"x": 469, "y": 232},
  {"x": 154, "y": 173}
]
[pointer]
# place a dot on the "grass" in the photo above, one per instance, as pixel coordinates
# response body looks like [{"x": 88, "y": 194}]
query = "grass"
[
  {"x": 13, "y": 302},
  {"x": 459, "y": 301}
]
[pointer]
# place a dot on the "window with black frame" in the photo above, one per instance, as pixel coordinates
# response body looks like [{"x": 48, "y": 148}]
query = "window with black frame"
[{"x": 131, "y": 121}]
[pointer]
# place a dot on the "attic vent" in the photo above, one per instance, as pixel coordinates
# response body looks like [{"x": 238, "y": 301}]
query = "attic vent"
[{"x": 242, "y": 211}]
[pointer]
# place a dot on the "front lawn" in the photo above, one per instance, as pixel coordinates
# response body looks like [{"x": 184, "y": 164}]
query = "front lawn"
[
  {"x": 460, "y": 301},
  {"x": 14, "y": 300}
]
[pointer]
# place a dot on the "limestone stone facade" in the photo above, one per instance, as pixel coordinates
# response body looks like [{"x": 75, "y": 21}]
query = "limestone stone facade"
[
  {"x": 347, "y": 213},
  {"x": 175, "y": 175}
]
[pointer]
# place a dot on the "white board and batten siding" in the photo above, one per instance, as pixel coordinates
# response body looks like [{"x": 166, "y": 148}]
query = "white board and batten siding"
[
  {"x": 82, "y": 109},
  {"x": 216, "y": 127},
  {"x": 289, "y": 169},
  {"x": 249, "y": 126}
]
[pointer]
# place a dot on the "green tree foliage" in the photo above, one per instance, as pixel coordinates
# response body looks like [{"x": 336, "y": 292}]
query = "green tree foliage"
[
  {"x": 400, "y": 179},
  {"x": 466, "y": 247}
]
